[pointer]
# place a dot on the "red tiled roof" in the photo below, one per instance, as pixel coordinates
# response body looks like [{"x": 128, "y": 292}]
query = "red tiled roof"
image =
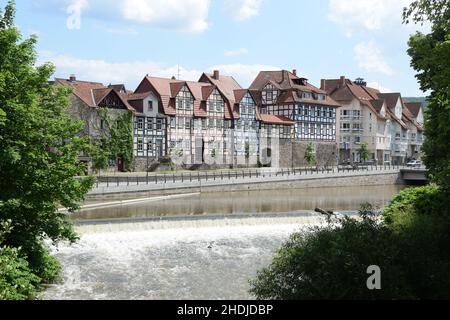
[
  {"x": 414, "y": 108},
  {"x": 93, "y": 93},
  {"x": 345, "y": 90},
  {"x": 390, "y": 98},
  {"x": 82, "y": 89},
  {"x": 226, "y": 86},
  {"x": 286, "y": 81},
  {"x": 271, "y": 119}
]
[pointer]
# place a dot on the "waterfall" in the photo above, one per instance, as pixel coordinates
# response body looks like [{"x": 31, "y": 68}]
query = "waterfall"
[{"x": 196, "y": 222}]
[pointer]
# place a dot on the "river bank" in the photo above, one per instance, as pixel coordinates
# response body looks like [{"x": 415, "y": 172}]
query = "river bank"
[{"x": 172, "y": 185}]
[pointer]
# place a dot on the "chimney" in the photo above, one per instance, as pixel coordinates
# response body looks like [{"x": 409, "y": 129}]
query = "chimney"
[
  {"x": 342, "y": 82},
  {"x": 216, "y": 75},
  {"x": 294, "y": 72},
  {"x": 72, "y": 78}
]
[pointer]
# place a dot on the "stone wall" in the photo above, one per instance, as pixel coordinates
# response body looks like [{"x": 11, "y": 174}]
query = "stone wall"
[
  {"x": 292, "y": 153},
  {"x": 368, "y": 179}
]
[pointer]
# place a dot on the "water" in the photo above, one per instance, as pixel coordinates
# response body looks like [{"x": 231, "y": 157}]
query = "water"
[
  {"x": 198, "y": 257},
  {"x": 252, "y": 202}
]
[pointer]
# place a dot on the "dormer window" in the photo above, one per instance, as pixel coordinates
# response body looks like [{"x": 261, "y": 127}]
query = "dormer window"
[
  {"x": 184, "y": 100},
  {"x": 215, "y": 102},
  {"x": 270, "y": 94},
  {"x": 306, "y": 95}
]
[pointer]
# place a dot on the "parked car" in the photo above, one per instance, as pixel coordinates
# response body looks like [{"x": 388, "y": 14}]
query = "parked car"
[{"x": 414, "y": 164}]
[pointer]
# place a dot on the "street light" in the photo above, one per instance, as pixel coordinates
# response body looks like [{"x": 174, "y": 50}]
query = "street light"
[{"x": 148, "y": 145}]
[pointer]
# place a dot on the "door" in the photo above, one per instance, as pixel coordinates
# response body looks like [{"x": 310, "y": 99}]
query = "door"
[
  {"x": 159, "y": 148},
  {"x": 120, "y": 165}
]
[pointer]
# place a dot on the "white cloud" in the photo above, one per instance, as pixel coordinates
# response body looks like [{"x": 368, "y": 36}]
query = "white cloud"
[
  {"x": 188, "y": 15},
  {"x": 131, "y": 73},
  {"x": 236, "y": 53},
  {"x": 242, "y": 10},
  {"x": 243, "y": 73},
  {"x": 378, "y": 86},
  {"x": 370, "y": 58},
  {"x": 184, "y": 15},
  {"x": 370, "y": 15}
]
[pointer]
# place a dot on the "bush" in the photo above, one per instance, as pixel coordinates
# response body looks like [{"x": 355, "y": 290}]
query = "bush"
[
  {"x": 411, "y": 203},
  {"x": 17, "y": 281},
  {"x": 331, "y": 263}
]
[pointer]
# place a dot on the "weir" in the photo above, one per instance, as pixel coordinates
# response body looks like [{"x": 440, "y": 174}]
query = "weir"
[{"x": 197, "y": 222}]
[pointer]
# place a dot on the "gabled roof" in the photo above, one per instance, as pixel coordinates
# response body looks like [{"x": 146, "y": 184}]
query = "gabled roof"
[
  {"x": 391, "y": 99},
  {"x": 226, "y": 86},
  {"x": 414, "y": 108},
  {"x": 345, "y": 90},
  {"x": 93, "y": 93},
  {"x": 168, "y": 89},
  {"x": 82, "y": 89},
  {"x": 289, "y": 84}
]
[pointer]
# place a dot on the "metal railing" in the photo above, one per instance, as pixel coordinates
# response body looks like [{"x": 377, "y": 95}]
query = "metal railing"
[{"x": 205, "y": 176}]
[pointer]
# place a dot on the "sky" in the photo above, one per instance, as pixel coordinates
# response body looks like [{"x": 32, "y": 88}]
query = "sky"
[{"x": 120, "y": 41}]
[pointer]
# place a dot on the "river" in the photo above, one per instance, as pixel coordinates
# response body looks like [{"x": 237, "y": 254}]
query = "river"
[{"x": 204, "y": 246}]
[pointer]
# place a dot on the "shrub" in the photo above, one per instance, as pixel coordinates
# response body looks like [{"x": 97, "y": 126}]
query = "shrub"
[
  {"x": 17, "y": 281},
  {"x": 331, "y": 262}
]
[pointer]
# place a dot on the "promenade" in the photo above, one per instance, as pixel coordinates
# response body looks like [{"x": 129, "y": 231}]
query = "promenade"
[{"x": 248, "y": 179}]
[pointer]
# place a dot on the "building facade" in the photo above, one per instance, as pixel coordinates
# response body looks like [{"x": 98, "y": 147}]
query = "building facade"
[
  {"x": 381, "y": 120},
  {"x": 299, "y": 113},
  {"x": 86, "y": 101}
]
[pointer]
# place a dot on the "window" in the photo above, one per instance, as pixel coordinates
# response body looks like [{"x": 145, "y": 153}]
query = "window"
[
  {"x": 159, "y": 124},
  {"x": 188, "y": 123},
  {"x": 150, "y": 106},
  {"x": 140, "y": 124},
  {"x": 345, "y": 126},
  {"x": 173, "y": 123},
  {"x": 149, "y": 124},
  {"x": 306, "y": 95},
  {"x": 204, "y": 124},
  {"x": 357, "y": 139},
  {"x": 140, "y": 145},
  {"x": 102, "y": 124},
  {"x": 180, "y": 123},
  {"x": 184, "y": 99}
]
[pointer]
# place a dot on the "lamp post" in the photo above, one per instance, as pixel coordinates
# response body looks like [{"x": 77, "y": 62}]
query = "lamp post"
[{"x": 147, "y": 159}]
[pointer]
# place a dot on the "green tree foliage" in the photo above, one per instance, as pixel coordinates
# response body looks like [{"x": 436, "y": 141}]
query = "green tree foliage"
[
  {"x": 332, "y": 262},
  {"x": 39, "y": 149},
  {"x": 310, "y": 154},
  {"x": 430, "y": 58},
  {"x": 17, "y": 281},
  {"x": 364, "y": 151}
]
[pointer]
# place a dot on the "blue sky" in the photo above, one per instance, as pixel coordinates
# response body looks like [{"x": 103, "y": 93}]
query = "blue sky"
[{"x": 115, "y": 41}]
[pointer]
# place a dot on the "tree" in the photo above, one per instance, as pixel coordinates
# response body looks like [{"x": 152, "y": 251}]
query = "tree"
[
  {"x": 39, "y": 149},
  {"x": 364, "y": 151},
  {"x": 430, "y": 58},
  {"x": 310, "y": 155}
]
